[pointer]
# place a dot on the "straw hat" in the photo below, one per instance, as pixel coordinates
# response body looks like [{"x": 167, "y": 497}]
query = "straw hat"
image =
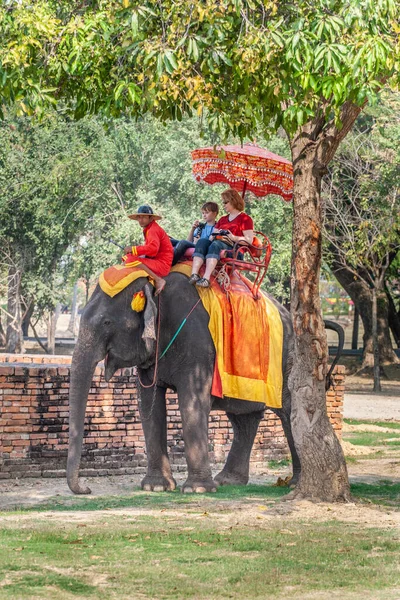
[{"x": 144, "y": 210}]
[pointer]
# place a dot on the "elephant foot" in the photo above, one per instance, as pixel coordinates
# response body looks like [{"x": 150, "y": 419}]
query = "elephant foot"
[
  {"x": 158, "y": 483},
  {"x": 229, "y": 478},
  {"x": 199, "y": 487},
  {"x": 77, "y": 488}
]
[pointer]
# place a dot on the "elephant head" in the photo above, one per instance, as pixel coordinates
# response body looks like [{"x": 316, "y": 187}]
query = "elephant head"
[
  {"x": 110, "y": 329},
  {"x": 134, "y": 343}
]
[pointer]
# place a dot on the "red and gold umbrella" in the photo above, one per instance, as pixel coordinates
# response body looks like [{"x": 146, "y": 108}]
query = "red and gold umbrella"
[{"x": 244, "y": 168}]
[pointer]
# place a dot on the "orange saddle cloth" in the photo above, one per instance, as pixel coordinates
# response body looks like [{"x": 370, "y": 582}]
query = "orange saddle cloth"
[
  {"x": 115, "y": 279},
  {"x": 248, "y": 338}
]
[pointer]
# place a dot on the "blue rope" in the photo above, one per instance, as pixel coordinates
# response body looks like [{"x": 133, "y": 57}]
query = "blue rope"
[
  {"x": 178, "y": 330},
  {"x": 174, "y": 337}
]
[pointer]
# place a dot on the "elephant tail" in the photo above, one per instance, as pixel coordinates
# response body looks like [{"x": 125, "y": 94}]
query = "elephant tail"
[{"x": 340, "y": 331}]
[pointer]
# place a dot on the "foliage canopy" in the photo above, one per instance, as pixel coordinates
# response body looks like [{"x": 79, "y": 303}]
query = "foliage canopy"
[{"x": 245, "y": 61}]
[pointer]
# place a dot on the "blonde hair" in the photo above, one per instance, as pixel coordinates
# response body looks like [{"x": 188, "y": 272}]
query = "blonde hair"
[{"x": 234, "y": 198}]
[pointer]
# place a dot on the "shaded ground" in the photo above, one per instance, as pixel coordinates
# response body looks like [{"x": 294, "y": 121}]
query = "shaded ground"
[{"x": 359, "y": 403}]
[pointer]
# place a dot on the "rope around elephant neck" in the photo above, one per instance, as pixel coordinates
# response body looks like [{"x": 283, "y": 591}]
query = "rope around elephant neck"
[{"x": 157, "y": 342}]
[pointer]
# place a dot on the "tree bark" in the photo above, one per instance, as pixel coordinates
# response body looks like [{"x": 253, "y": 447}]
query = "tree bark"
[
  {"x": 2, "y": 334},
  {"x": 51, "y": 329},
  {"x": 74, "y": 311},
  {"x": 361, "y": 294},
  {"x": 324, "y": 472},
  {"x": 394, "y": 318},
  {"x": 27, "y": 318},
  {"x": 14, "y": 340},
  {"x": 375, "y": 345},
  {"x": 356, "y": 322}
]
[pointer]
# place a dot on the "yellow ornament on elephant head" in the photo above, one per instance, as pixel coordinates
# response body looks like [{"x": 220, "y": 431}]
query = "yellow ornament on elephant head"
[{"x": 138, "y": 301}]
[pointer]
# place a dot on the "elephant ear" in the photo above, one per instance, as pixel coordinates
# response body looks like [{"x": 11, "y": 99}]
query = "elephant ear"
[{"x": 150, "y": 315}]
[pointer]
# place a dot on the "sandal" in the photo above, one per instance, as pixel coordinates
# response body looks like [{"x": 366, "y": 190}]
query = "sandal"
[
  {"x": 194, "y": 278},
  {"x": 204, "y": 283}
]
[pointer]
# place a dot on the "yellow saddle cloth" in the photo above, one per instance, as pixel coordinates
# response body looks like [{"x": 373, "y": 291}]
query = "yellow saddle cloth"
[{"x": 248, "y": 338}]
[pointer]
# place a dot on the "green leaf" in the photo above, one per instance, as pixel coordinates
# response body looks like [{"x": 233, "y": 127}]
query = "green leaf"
[{"x": 135, "y": 23}]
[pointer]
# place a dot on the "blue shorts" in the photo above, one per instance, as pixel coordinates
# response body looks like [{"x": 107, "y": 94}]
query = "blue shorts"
[{"x": 210, "y": 249}]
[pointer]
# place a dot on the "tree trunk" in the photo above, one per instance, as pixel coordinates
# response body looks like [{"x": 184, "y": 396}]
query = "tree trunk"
[
  {"x": 323, "y": 467},
  {"x": 394, "y": 318},
  {"x": 74, "y": 311},
  {"x": 14, "y": 340},
  {"x": 375, "y": 345},
  {"x": 51, "y": 329},
  {"x": 2, "y": 334},
  {"x": 361, "y": 294},
  {"x": 356, "y": 322},
  {"x": 26, "y": 319}
]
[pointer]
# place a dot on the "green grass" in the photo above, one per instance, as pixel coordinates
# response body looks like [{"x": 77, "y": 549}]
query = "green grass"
[
  {"x": 371, "y": 438},
  {"x": 388, "y": 424},
  {"x": 385, "y": 493},
  {"x": 146, "y": 500},
  {"x": 278, "y": 464},
  {"x": 170, "y": 556},
  {"x": 186, "y": 548}
]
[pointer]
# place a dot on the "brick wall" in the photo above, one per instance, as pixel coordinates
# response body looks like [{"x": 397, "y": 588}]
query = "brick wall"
[{"x": 34, "y": 422}]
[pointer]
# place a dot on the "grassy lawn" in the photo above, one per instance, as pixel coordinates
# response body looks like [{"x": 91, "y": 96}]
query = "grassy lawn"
[
  {"x": 167, "y": 556},
  {"x": 384, "y": 439},
  {"x": 238, "y": 543},
  {"x": 387, "y": 424}
]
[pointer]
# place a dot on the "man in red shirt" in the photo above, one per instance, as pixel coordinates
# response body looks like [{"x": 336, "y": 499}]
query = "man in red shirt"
[{"x": 156, "y": 254}]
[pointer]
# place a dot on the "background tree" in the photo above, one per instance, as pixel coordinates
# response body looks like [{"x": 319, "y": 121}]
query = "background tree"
[
  {"x": 392, "y": 286},
  {"x": 363, "y": 222},
  {"x": 53, "y": 180}
]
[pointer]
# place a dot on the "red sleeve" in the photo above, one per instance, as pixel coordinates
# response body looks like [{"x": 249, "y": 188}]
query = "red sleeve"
[{"x": 151, "y": 246}]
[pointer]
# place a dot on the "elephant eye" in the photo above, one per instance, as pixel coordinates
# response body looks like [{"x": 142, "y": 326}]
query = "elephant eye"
[{"x": 106, "y": 322}]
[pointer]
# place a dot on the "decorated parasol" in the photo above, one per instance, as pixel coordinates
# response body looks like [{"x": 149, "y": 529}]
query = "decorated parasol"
[{"x": 245, "y": 168}]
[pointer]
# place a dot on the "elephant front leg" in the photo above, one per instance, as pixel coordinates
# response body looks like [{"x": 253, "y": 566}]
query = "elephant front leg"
[
  {"x": 236, "y": 469},
  {"x": 154, "y": 422},
  {"x": 194, "y": 412}
]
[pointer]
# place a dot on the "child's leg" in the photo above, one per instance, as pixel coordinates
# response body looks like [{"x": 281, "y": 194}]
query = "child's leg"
[{"x": 199, "y": 255}]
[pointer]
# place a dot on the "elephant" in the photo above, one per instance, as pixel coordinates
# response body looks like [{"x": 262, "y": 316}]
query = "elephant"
[{"x": 111, "y": 330}]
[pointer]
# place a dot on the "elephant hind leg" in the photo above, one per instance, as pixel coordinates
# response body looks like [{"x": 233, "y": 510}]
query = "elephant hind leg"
[
  {"x": 236, "y": 469},
  {"x": 287, "y": 428}
]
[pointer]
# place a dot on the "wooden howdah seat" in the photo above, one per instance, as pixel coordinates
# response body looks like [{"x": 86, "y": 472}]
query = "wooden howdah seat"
[{"x": 253, "y": 258}]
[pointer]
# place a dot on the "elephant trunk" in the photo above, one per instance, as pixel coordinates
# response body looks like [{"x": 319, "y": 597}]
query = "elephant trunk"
[{"x": 82, "y": 369}]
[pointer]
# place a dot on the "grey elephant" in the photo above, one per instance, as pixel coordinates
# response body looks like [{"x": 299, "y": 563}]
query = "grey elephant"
[{"x": 111, "y": 330}]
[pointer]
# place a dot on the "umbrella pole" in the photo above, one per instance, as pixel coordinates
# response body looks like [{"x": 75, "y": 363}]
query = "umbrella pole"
[{"x": 244, "y": 188}]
